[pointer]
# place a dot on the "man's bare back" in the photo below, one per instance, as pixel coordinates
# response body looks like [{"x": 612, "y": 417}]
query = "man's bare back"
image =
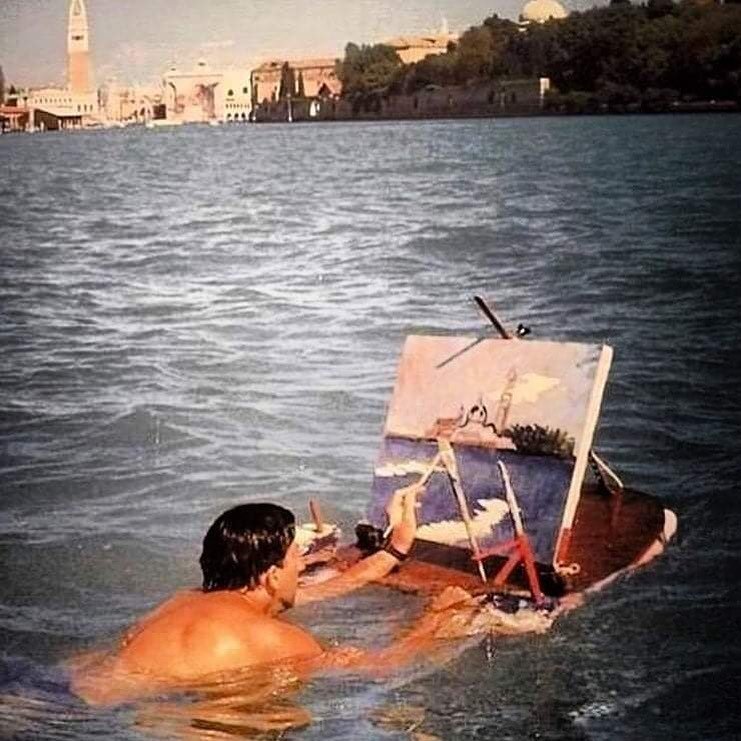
[
  {"x": 195, "y": 634},
  {"x": 202, "y": 633}
]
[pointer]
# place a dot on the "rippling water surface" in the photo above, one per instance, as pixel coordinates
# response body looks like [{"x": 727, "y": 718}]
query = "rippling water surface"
[{"x": 197, "y": 317}]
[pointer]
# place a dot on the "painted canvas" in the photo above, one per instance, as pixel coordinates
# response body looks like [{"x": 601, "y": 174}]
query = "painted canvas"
[{"x": 531, "y": 405}]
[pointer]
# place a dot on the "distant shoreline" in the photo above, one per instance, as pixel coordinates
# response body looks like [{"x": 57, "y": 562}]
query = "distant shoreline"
[
  {"x": 629, "y": 110},
  {"x": 704, "y": 107}
]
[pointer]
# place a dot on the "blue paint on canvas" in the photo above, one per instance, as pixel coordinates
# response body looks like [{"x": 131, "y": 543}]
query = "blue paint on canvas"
[{"x": 540, "y": 483}]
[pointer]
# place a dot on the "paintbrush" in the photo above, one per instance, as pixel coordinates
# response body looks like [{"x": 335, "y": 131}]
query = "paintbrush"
[{"x": 423, "y": 479}]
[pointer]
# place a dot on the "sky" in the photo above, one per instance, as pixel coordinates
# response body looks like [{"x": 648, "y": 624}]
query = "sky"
[{"x": 137, "y": 40}]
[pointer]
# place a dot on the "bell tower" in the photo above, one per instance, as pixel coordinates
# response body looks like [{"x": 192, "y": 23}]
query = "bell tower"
[{"x": 78, "y": 57}]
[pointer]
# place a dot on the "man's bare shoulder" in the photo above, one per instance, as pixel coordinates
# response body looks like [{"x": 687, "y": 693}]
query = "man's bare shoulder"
[
  {"x": 226, "y": 628},
  {"x": 197, "y": 634}
]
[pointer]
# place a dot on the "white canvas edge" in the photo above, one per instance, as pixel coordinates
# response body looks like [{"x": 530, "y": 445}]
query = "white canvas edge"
[{"x": 584, "y": 445}]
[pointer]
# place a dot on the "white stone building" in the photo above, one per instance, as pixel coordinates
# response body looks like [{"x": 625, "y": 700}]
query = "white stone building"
[{"x": 234, "y": 99}]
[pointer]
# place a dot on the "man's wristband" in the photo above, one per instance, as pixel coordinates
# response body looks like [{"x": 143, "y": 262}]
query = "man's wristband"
[{"x": 395, "y": 552}]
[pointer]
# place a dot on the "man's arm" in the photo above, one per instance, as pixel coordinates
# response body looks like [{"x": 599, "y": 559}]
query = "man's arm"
[
  {"x": 370, "y": 569},
  {"x": 402, "y": 516},
  {"x": 433, "y": 634}
]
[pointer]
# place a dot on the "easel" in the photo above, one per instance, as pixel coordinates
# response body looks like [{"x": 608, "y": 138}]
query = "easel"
[
  {"x": 444, "y": 461},
  {"x": 447, "y": 457},
  {"x": 519, "y": 547},
  {"x": 605, "y": 475}
]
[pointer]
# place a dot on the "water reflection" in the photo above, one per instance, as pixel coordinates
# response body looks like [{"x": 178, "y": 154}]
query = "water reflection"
[
  {"x": 37, "y": 702},
  {"x": 407, "y": 718},
  {"x": 253, "y": 705}
]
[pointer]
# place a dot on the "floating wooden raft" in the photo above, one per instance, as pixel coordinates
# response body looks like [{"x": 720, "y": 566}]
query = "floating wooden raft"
[{"x": 519, "y": 419}]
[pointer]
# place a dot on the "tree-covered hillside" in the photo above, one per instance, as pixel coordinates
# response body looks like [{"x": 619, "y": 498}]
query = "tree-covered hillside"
[{"x": 610, "y": 57}]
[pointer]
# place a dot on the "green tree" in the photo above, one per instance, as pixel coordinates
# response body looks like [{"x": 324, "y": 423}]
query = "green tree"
[
  {"x": 474, "y": 55},
  {"x": 622, "y": 57},
  {"x": 506, "y": 37},
  {"x": 438, "y": 69},
  {"x": 287, "y": 81},
  {"x": 659, "y": 8},
  {"x": 367, "y": 68}
]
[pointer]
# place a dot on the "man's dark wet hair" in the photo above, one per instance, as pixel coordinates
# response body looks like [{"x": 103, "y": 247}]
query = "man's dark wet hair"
[{"x": 243, "y": 543}]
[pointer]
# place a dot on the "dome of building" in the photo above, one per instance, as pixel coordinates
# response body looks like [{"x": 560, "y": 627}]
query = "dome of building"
[{"x": 540, "y": 11}]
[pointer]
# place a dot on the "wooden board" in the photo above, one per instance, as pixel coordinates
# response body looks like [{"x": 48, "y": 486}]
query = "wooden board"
[{"x": 610, "y": 534}]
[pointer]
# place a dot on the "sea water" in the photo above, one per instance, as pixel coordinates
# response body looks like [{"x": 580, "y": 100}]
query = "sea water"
[{"x": 197, "y": 317}]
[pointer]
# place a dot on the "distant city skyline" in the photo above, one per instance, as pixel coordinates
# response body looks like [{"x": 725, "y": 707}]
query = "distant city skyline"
[{"x": 135, "y": 40}]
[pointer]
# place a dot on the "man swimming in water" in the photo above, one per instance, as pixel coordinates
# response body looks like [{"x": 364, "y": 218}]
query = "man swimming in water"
[{"x": 250, "y": 564}]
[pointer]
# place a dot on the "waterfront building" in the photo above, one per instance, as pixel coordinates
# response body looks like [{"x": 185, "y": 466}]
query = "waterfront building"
[
  {"x": 234, "y": 99},
  {"x": 317, "y": 78},
  {"x": 131, "y": 103},
  {"x": 13, "y": 117},
  {"x": 190, "y": 94},
  {"x": 203, "y": 94},
  {"x": 265, "y": 82},
  {"x": 313, "y": 79},
  {"x": 60, "y": 108}
]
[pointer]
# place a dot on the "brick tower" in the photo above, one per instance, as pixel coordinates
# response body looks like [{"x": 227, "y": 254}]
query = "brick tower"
[{"x": 78, "y": 57}]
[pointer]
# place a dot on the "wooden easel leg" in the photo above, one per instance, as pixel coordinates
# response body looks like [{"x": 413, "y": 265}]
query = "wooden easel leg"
[
  {"x": 503, "y": 574},
  {"x": 531, "y": 571}
]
